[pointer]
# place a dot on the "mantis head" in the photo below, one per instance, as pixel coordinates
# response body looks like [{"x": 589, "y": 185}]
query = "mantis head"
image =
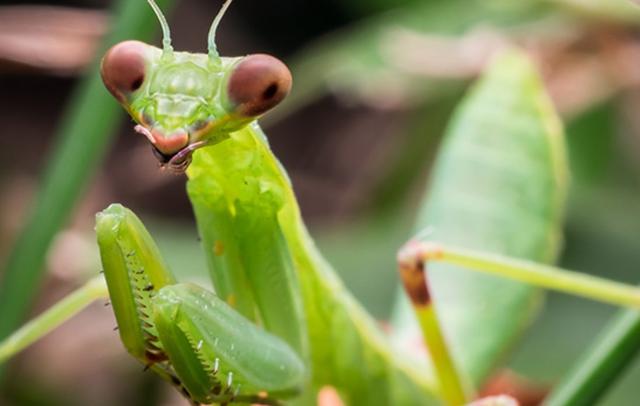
[{"x": 183, "y": 101}]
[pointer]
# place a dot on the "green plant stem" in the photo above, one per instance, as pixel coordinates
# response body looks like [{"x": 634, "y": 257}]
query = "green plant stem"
[
  {"x": 414, "y": 279},
  {"x": 53, "y": 317},
  {"x": 451, "y": 387},
  {"x": 601, "y": 364},
  {"x": 544, "y": 276},
  {"x": 87, "y": 127}
]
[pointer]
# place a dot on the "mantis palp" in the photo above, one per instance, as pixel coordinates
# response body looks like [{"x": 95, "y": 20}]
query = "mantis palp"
[{"x": 281, "y": 323}]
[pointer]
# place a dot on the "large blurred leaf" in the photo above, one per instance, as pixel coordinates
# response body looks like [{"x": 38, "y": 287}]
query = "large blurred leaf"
[{"x": 498, "y": 185}]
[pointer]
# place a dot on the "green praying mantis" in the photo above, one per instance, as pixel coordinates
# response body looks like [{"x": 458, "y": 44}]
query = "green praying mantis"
[{"x": 281, "y": 325}]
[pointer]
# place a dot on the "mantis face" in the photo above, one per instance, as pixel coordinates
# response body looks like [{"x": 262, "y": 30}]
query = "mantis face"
[{"x": 183, "y": 101}]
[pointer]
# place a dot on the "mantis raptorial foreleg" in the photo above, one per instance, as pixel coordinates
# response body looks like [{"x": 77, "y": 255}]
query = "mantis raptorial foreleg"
[{"x": 185, "y": 333}]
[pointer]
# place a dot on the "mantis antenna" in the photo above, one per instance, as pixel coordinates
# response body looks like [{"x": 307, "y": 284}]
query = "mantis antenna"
[
  {"x": 213, "y": 49},
  {"x": 166, "y": 32}
]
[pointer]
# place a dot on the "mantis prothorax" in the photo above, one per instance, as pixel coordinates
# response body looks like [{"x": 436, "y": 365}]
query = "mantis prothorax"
[{"x": 281, "y": 322}]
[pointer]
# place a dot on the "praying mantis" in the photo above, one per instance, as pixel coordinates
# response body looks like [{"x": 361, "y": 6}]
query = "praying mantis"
[{"x": 280, "y": 324}]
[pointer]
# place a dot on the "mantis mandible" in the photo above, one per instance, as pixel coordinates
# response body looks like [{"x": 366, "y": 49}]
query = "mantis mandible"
[{"x": 281, "y": 324}]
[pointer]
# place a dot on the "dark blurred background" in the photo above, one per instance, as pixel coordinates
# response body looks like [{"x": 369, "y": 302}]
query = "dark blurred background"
[{"x": 374, "y": 85}]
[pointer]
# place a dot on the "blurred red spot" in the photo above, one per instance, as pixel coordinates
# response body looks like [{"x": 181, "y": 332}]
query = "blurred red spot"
[{"x": 328, "y": 396}]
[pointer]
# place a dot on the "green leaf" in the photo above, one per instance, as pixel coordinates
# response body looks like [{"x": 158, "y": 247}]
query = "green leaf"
[{"x": 499, "y": 185}]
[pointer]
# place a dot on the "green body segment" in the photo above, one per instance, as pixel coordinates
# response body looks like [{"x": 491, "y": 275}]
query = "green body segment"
[
  {"x": 220, "y": 355},
  {"x": 215, "y": 221},
  {"x": 134, "y": 271},
  {"x": 348, "y": 351},
  {"x": 237, "y": 198},
  {"x": 499, "y": 186}
]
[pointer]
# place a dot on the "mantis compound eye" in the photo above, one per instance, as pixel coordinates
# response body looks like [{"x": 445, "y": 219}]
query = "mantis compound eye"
[
  {"x": 257, "y": 84},
  {"x": 123, "y": 68}
]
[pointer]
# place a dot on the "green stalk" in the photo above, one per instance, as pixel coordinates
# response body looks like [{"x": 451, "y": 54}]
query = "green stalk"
[
  {"x": 544, "y": 276},
  {"x": 53, "y": 317},
  {"x": 411, "y": 266},
  {"x": 601, "y": 364},
  {"x": 83, "y": 138},
  {"x": 450, "y": 384}
]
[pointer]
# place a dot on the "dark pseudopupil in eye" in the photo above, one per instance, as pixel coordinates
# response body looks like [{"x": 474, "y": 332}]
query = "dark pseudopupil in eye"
[
  {"x": 135, "y": 85},
  {"x": 257, "y": 84},
  {"x": 270, "y": 91}
]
